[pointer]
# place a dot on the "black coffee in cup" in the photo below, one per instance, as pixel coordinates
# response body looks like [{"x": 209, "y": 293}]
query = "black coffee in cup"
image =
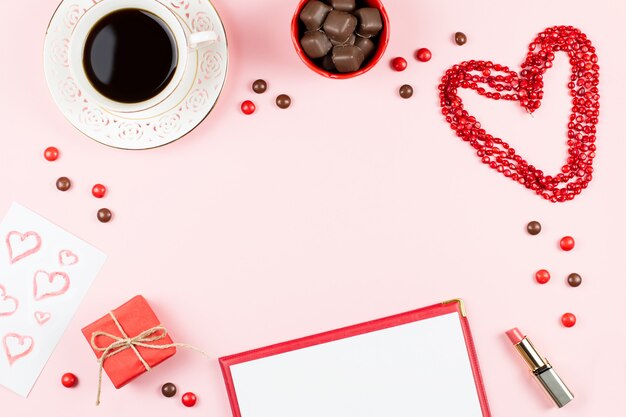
[{"x": 130, "y": 55}]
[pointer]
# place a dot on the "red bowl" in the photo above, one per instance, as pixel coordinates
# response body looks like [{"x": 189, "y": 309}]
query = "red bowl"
[{"x": 383, "y": 39}]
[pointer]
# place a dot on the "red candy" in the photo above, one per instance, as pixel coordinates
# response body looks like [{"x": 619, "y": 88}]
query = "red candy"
[
  {"x": 567, "y": 243},
  {"x": 248, "y": 107},
  {"x": 98, "y": 190},
  {"x": 69, "y": 380},
  {"x": 189, "y": 399},
  {"x": 423, "y": 54},
  {"x": 51, "y": 153},
  {"x": 399, "y": 63},
  {"x": 542, "y": 276},
  {"x": 568, "y": 319}
]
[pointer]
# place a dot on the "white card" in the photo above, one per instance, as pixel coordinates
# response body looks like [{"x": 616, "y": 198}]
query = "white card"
[
  {"x": 416, "y": 369},
  {"x": 44, "y": 274}
]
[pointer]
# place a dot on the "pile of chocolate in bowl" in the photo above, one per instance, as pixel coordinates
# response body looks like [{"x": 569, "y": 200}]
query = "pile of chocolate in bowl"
[{"x": 340, "y": 35}]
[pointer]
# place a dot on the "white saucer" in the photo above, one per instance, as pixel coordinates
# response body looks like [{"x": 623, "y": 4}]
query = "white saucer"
[{"x": 202, "y": 82}]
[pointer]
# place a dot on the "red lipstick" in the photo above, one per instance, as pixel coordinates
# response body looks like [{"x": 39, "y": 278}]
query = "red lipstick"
[{"x": 541, "y": 368}]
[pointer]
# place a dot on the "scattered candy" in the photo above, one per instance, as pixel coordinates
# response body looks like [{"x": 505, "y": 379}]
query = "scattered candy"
[
  {"x": 168, "y": 389},
  {"x": 406, "y": 91},
  {"x": 568, "y": 319},
  {"x": 567, "y": 243},
  {"x": 259, "y": 86},
  {"x": 533, "y": 227},
  {"x": 423, "y": 54},
  {"x": 248, "y": 107},
  {"x": 51, "y": 153},
  {"x": 69, "y": 380},
  {"x": 460, "y": 38},
  {"x": 98, "y": 190},
  {"x": 64, "y": 184},
  {"x": 189, "y": 399},
  {"x": 574, "y": 280},
  {"x": 283, "y": 101},
  {"x": 104, "y": 215},
  {"x": 542, "y": 276},
  {"x": 399, "y": 63}
]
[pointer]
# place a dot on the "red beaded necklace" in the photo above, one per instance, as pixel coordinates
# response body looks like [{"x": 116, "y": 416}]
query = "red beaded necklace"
[{"x": 526, "y": 87}]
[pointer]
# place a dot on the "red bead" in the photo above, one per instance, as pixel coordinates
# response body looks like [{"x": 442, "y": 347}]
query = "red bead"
[
  {"x": 51, "y": 153},
  {"x": 399, "y": 63},
  {"x": 248, "y": 107},
  {"x": 423, "y": 54},
  {"x": 568, "y": 319},
  {"x": 189, "y": 399},
  {"x": 542, "y": 276},
  {"x": 567, "y": 243},
  {"x": 69, "y": 380},
  {"x": 98, "y": 190}
]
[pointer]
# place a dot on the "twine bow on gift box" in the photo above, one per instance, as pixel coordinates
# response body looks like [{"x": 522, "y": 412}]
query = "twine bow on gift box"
[{"x": 144, "y": 339}]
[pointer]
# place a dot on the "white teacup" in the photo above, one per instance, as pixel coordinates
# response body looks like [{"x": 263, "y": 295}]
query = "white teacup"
[{"x": 184, "y": 39}]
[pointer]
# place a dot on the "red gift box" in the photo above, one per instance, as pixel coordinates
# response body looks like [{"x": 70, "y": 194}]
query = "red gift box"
[{"x": 134, "y": 318}]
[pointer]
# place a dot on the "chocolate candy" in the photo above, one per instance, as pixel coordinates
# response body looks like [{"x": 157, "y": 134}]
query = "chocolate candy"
[
  {"x": 574, "y": 280},
  {"x": 460, "y": 38},
  {"x": 283, "y": 101},
  {"x": 370, "y": 22},
  {"x": 64, "y": 184},
  {"x": 343, "y": 5},
  {"x": 406, "y": 91},
  {"x": 347, "y": 58},
  {"x": 259, "y": 86},
  {"x": 365, "y": 45},
  {"x": 351, "y": 41},
  {"x": 315, "y": 44},
  {"x": 314, "y": 13},
  {"x": 339, "y": 26},
  {"x": 327, "y": 63},
  {"x": 104, "y": 215},
  {"x": 533, "y": 227},
  {"x": 168, "y": 389}
]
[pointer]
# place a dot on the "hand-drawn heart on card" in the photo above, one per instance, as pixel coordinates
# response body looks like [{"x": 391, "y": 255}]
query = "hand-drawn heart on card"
[
  {"x": 21, "y": 245},
  {"x": 42, "y": 317},
  {"x": 17, "y": 346},
  {"x": 8, "y": 305},
  {"x": 67, "y": 257},
  {"x": 51, "y": 284}
]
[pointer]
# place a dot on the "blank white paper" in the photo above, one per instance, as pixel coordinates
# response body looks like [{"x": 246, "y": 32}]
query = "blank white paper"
[{"x": 412, "y": 370}]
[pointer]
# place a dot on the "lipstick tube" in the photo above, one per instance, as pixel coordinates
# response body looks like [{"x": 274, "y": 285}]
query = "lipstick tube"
[{"x": 541, "y": 368}]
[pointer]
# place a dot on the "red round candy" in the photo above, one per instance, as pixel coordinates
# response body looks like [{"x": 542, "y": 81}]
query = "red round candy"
[
  {"x": 568, "y": 319},
  {"x": 98, "y": 190},
  {"x": 542, "y": 276},
  {"x": 399, "y": 63},
  {"x": 189, "y": 399},
  {"x": 567, "y": 243},
  {"x": 248, "y": 107},
  {"x": 423, "y": 54},
  {"x": 69, "y": 380},
  {"x": 51, "y": 153}
]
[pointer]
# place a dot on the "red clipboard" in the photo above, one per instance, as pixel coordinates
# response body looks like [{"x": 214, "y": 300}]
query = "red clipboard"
[{"x": 445, "y": 308}]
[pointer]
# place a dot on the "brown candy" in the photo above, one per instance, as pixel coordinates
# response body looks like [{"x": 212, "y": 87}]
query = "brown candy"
[
  {"x": 168, "y": 389},
  {"x": 327, "y": 63},
  {"x": 283, "y": 101},
  {"x": 315, "y": 44},
  {"x": 314, "y": 13},
  {"x": 343, "y": 5},
  {"x": 351, "y": 41},
  {"x": 370, "y": 22},
  {"x": 533, "y": 227},
  {"x": 259, "y": 86},
  {"x": 339, "y": 25},
  {"x": 366, "y": 46},
  {"x": 104, "y": 215},
  {"x": 347, "y": 58},
  {"x": 406, "y": 91},
  {"x": 64, "y": 184},
  {"x": 460, "y": 38},
  {"x": 574, "y": 280}
]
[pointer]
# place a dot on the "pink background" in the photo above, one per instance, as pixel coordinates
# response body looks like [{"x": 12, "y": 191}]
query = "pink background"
[{"x": 351, "y": 205}]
